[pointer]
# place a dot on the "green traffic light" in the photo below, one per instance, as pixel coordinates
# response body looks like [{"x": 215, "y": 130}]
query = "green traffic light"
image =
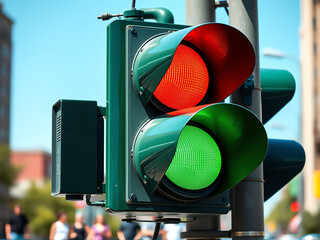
[
  {"x": 197, "y": 161},
  {"x": 158, "y": 145}
]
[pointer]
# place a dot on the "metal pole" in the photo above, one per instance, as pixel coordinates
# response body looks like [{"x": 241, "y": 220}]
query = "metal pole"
[
  {"x": 203, "y": 227},
  {"x": 198, "y": 12},
  {"x": 248, "y": 196}
]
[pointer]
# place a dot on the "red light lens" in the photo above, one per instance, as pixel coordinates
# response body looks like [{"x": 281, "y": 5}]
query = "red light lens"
[
  {"x": 186, "y": 81},
  {"x": 295, "y": 206}
]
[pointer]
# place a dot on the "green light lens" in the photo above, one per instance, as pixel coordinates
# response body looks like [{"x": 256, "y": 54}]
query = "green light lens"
[{"x": 197, "y": 161}]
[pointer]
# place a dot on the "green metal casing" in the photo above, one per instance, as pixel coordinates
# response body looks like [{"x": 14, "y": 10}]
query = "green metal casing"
[
  {"x": 278, "y": 87},
  {"x": 123, "y": 123},
  {"x": 75, "y": 167},
  {"x": 128, "y": 114},
  {"x": 285, "y": 158}
]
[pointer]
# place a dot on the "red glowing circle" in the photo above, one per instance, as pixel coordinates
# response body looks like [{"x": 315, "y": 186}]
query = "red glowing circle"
[
  {"x": 295, "y": 206},
  {"x": 186, "y": 81}
]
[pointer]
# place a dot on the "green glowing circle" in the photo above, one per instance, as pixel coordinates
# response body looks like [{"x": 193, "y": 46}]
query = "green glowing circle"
[{"x": 197, "y": 161}]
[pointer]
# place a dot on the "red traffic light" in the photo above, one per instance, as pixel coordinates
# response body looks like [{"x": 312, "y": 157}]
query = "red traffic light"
[
  {"x": 295, "y": 206},
  {"x": 186, "y": 81},
  {"x": 194, "y": 66}
]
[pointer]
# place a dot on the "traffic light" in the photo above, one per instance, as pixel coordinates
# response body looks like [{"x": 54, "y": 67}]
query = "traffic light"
[
  {"x": 285, "y": 158},
  {"x": 173, "y": 147},
  {"x": 294, "y": 206}
]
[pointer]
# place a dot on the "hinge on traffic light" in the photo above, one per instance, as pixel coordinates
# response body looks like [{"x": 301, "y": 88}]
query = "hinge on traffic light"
[{"x": 246, "y": 91}]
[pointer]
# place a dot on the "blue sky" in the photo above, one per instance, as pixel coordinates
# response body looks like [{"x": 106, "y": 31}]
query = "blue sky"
[{"x": 59, "y": 51}]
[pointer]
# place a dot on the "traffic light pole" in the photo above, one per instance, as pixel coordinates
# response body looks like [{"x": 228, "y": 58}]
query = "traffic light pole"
[{"x": 248, "y": 196}]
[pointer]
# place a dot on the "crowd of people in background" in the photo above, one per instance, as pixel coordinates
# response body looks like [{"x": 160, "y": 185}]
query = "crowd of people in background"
[{"x": 17, "y": 228}]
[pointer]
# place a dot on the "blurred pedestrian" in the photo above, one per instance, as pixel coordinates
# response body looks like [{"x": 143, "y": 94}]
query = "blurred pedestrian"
[
  {"x": 79, "y": 230},
  {"x": 100, "y": 230},
  {"x": 174, "y": 230},
  {"x": 60, "y": 229},
  {"x": 129, "y": 231},
  {"x": 17, "y": 228}
]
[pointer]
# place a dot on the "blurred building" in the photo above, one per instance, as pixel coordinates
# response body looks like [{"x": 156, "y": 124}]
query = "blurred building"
[
  {"x": 310, "y": 75},
  {"x": 34, "y": 166},
  {"x": 5, "y": 72}
]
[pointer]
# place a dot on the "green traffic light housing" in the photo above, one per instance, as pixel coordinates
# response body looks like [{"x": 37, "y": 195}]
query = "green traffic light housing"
[
  {"x": 278, "y": 87},
  {"x": 285, "y": 158},
  {"x": 179, "y": 70},
  {"x": 171, "y": 143}
]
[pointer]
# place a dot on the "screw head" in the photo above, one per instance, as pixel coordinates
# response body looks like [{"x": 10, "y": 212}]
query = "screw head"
[
  {"x": 133, "y": 197},
  {"x": 133, "y": 31}
]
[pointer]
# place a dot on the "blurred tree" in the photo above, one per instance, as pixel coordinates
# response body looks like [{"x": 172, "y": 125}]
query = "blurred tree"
[
  {"x": 41, "y": 223},
  {"x": 41, "y": 209},
  {"x": 7, "y": 171},
  {"x": 281, "y": 213},
  {"x": 7, "y": 176},
  {"x": 311, "y": 223},
  {"x": 114, "y": 222}
]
